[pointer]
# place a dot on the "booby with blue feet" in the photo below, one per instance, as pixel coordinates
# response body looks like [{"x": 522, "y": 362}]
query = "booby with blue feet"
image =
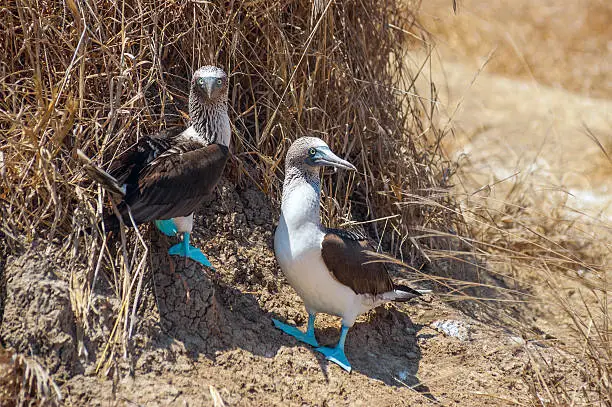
[
  {"x": 165, "y": 177},
  {"x": 332, "y": 270}
]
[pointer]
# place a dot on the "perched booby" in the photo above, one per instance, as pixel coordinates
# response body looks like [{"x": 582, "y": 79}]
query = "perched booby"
[
  {"x": 166, "y": 176},
  {"x": 332, "y": 270}
]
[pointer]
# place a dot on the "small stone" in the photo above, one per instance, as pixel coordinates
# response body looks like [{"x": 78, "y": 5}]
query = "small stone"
[
  {"x": 517, "y": 340},
  {"x": 454, "y": 328}
]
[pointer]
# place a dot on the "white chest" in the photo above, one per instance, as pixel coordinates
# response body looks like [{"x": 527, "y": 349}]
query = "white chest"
[
  {"x": 184, "y": 224},
  {"x": 297, "y": 245}
]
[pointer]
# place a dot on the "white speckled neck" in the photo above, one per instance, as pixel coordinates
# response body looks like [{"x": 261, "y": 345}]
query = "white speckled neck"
[
  {"x": 301, "y": 196},
  {"x": 211, "y": 121}
]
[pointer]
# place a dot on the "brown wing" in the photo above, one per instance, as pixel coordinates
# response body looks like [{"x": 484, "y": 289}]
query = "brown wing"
[
  {"x": 175, "y": 183},
  {"x": 345, "y": 255},
  {"x": 127, "y": 167}
]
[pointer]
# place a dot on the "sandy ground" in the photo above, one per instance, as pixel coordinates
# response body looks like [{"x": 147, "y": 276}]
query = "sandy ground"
[
  {"x": 523, "y": 86},
  {"x": 503, "y": 126},
  {"x": 398, "y": 354}
]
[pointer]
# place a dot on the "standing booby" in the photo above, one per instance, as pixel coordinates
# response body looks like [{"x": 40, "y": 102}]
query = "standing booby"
[
  {"x": 328, "y": 268},
  {"x": 166, "y": 176}
]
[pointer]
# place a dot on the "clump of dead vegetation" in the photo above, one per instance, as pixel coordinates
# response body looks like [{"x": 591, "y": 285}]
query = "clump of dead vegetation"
[
  {"x": 24, "y": 382},
  {"x": 96, "y": 76}
]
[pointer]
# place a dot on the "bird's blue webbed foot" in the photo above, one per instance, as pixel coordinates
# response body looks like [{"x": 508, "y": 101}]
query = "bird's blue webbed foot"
[
  {"x": 167, "y": 227},
  {"x": 306, "y": 337},
  {"x": 337, "y": 354},
  {"x": 184, "y": 249}
]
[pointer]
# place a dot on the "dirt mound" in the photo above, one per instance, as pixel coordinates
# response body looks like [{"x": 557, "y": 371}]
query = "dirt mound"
[
  {"x": 38, "y": 317},
  {"x": 222, "y": 335}
]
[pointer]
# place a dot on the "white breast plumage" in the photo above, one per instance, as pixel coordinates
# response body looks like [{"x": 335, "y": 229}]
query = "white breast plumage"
[{"x": 297, "y": 246}]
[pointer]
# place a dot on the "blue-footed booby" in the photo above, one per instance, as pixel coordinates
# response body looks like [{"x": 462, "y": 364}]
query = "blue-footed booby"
[
  {"x": 166, "y": 176},
  {"x": 332, "y": 270}
]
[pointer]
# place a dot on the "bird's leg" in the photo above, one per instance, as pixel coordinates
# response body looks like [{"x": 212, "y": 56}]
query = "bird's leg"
[
  {"x": 184, "y": 249},
  {"x": 337, "y": 354},
  {"x": 307, "y": 337},
  {"x": 310, "y": 327},
  {"x": 167, "y": 227},
  {"x": 186, "y": 246}
]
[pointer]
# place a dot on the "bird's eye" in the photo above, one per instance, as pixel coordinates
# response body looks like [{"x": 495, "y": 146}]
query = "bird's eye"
[
  {"x": 219, "y": 82},
  {"x": 312, "y": 151},
  {"x": 200, "y": 81}
]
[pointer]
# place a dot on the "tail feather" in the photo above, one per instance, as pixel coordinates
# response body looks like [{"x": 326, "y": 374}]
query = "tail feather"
[
  {"x": 404, "y": 293},
  {"x": 97, "y": 174}
]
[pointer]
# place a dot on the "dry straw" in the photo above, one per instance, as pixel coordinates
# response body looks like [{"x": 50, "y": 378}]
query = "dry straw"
[
  {"x": 96, "y": 76},
  {"x": 99, "y": 75}
]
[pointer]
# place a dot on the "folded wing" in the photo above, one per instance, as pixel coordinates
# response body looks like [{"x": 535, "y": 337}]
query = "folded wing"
[
  {"x": 166, "y": 178},
  {"x": 345, "y": 255}
]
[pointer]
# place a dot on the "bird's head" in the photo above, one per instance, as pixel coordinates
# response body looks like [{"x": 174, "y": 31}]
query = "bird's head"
[
  {"x": 311, "y": 153},
  {"x": 209, "y": 84}
]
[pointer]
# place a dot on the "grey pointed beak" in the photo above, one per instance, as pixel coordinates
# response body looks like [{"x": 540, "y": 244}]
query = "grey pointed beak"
[
  {"x": 332, "y": 160},
  {"x": 208, "y": 86}
]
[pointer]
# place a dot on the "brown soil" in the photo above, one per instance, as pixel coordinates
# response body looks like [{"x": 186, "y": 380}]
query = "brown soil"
[{"x": 223, "y": 335}]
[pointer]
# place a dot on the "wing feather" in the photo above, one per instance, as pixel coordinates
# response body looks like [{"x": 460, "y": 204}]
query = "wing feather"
[
  {"x": 345, "y": 254},
  {"x": 173, "y": 183},
  {"x": 127, "y": 167}
]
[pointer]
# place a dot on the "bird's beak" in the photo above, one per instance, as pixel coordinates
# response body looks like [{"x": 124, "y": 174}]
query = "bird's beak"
[
  {"x": 208, "y": 86},
  {"x": 332, "y": 160}
]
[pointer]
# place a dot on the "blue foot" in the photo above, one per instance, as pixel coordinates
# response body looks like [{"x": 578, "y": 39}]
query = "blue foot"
[
  {"x": 307, "y": 337},
  {"x": 337, "y": 356},
  {"x": 167, "y": 227},
  {"x": 184, "y": 249}
]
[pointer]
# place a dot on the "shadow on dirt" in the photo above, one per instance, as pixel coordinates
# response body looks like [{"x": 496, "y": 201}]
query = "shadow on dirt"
[
  {"x": 383, "y": 347},
  {"x": 232, "y": 308}
]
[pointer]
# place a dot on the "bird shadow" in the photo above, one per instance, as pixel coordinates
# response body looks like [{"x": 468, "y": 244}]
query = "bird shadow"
[
  {"x": 217, "y": 318},
  {"x": 381, "y": 345}
]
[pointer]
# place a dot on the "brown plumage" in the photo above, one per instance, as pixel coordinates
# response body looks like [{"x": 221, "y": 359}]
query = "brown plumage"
[
  {"x": 347, "y": 256},
  {"x": 171, "y": 185},
  {"x": 169, "y": 174}
]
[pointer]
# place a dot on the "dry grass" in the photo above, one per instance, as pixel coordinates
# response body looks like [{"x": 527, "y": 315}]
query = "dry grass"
[
  {"x": 96, "y": 76},
  {"x": 523, "y": 227},
  {"x": 562, "y": 259},
  {"x": 25, "y": 382}
]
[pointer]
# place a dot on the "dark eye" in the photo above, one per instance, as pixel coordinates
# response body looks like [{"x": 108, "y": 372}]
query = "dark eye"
[
  {"x": 312, "y": 151},
  {"x": 219, "y": 82}
]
